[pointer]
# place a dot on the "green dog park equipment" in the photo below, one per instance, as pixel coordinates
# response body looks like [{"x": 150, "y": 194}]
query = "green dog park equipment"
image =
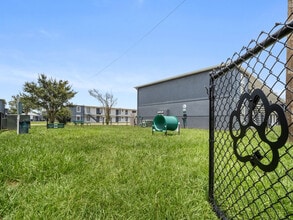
[{"x": 163, "y": 123}]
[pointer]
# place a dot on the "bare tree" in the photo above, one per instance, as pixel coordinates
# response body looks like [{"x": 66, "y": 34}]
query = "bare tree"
[
  {"x": 289, "y": 76},
  {"x": 107, "y": 100}
]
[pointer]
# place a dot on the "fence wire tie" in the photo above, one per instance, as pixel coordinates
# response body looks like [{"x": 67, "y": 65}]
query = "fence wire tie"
[{"x": 256, "y": 156}]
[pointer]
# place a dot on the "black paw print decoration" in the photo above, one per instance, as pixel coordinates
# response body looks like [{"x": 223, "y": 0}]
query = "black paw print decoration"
[{"x": 240, "y": 131}]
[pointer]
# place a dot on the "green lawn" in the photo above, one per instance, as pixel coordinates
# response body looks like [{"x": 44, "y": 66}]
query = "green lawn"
[{"x": 104, "y": 172}]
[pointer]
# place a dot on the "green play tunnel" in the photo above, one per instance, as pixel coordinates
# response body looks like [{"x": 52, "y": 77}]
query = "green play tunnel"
[{"x": 164, "y": 123}]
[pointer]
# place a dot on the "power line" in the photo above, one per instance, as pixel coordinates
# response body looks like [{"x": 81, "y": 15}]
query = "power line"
[{"x": 140, "y": 39}]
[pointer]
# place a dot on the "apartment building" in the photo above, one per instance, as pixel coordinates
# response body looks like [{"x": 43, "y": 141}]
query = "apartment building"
[{"x": 96, "y": 114}]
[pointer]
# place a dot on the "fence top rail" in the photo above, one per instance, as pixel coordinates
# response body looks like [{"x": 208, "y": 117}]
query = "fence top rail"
[{"x": 271, "y": 39}]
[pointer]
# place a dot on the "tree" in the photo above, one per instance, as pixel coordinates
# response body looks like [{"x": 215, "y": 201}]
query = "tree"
[
  {"x": 50, "y": 94},
  {"x": 107, "y": 100},
  {"x": 27, "y": 105},
  {"x": 63, "y": 115},
  {"x": 13, "y": 105}
]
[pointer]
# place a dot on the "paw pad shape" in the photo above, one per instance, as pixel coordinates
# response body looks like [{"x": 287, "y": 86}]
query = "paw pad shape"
[{"x": 244, "y": 118}]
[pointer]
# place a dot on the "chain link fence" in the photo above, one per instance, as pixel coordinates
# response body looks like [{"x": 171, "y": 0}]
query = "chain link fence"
[{"x": 251, "y": 130}]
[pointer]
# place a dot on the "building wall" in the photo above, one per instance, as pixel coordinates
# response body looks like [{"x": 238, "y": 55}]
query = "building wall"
[
  {"x": 170, "y": 95},
  {"x": 77, "y": 113},
  {"x": 2, "y": 106}
]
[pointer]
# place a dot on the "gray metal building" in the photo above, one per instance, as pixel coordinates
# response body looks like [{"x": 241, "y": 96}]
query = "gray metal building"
[{"x": 169, "y": 95}]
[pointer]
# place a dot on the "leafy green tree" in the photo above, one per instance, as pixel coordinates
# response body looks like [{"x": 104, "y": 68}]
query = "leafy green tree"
[
  {"x": 13, "y": 105},
  {"x": 50, "y": 94},
  {"x": 107, "y": 100},
  {"x": 63, "y": 115},
  {"x": 27, "y": 105}
]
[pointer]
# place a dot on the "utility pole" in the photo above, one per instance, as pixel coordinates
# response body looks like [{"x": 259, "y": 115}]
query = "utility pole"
[{"x": 289, "y": 76}]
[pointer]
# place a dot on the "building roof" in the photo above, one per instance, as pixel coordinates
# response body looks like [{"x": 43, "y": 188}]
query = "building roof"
[
  {"x": 93, "y": 106},
  {"x": 180, "y": 76}
]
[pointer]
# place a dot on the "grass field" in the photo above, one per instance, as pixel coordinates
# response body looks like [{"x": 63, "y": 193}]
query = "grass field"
[{"x": 104, "y": 172}]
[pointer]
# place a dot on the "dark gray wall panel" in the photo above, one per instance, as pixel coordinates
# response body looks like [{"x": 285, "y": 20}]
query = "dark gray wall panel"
[{"x": 169, "y": 96}]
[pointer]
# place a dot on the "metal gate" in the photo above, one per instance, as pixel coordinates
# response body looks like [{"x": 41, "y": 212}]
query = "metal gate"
[{"x": 251, "y": 130}]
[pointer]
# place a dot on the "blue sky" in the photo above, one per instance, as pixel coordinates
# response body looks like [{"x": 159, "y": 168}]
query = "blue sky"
[{"x": 115, "y": 45}]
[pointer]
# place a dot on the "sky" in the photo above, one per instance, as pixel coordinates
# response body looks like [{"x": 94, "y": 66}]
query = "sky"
[{"x": 116, "y": 45}]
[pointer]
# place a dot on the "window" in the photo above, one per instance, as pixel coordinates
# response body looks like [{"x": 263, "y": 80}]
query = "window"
[
  {"x": 88, "y": 118},
  {"x": 126, "y": 112},
  {"x": 88, "y": 110},
  {"x": 78, "y": 109},
  {"x": 78, "y": 118},
  {"x": 98, "y": 111}
]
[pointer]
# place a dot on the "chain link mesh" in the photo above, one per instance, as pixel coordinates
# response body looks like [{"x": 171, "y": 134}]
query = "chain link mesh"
[{"x": 251, "y": 138}]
